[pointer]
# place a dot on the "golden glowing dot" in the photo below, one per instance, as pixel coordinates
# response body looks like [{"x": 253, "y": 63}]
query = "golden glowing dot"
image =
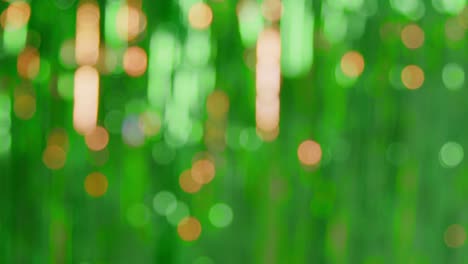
[
  {"x": 412, "y": 77},
  {"x": 96, "y": 184},
  {"x": 200, "y": 16},
  {"x": 217, "y": 104},
  {"x": 16, "y": 15},
  {"x": 189, "y": 229},
  {"x": 412, "y": 36},
  {"x": 309, "y": 153},
  {"x": 28, "y": 63},
  {"x": 352, "y": 64},
  {"x": 54, "y": 157},
  {"x": 130, "y": 22},
  {"x": 58, "y": 137},
  {"x": 25, "y": 106},
  {"x": 203, "y": 171},
  {"x": 272, "y": 10},
  {"x": 187, "y": 183},
  {"x": 97, "y": 139},
  {"x": 455, "y": 236},
  {"x": 150, "y": 123},
  {"x": 135, "y": 61}
]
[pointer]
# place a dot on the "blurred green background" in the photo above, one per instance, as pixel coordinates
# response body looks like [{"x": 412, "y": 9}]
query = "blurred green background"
[{"x": 225, "y": 131}]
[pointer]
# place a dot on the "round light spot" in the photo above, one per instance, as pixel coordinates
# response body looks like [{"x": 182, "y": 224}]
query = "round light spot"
[
  {"x": 25, "y": 106},
  {"x": 131, "y": 132},
  {"x": 352, "y": 64},
  {"x": 453, "y": 76},
  {"x": 412, "y": 36},
  {"x": 135, "y": 61},
  {"x": 150, "y": 123},
  {"x": 220, "y": 215},
  {"x": 454, "y": 30},
  {"x": 54, "y": 157},
  {"x": 217, "y": 104},
  {"x": 28, "y": 63},
  {"x": 138, "y": 215},
  {"x": 249, "y": 139},
  {"x": 189, "y": 229},
  {"x": 96, "y": 184},
  {"x": 97, "y": 139},
  {"x": 451, "y": 154},
  {"x": 67, "y": 53},
  {"x": 181, "y": 211},
  {"x": 203, "y": 171},
  {"x": 164, "y": 203},
  {"x": 58, "y": 137},
  {"x": 309, "y": 153},
  {"x": 412, "y": 77},
  {"x": 108, "y": 60},
  {"x": 455, "y": 236},
  {"x": 187, "y": 183},
  {"x": 65, "y": 83},
  {"x": 200, "y": 15}
]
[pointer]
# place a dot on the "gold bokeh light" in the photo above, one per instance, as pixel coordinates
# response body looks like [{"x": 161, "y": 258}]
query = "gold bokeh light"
[
  {"x": 96, "y": 184},
  {"x": 200, "y": 16},
  {"x": 309, "y": 153},
  {"x": 352, "y": 64},
  {"x": 412, "y": 36},
  {"x": 135, "y": 61},
  {"x": 203, "y": 171},
  {"x": 412, "y": 77},
  {"x": 187, "y": 183},
  {"x": 97, "y": 139},
  {"x": 54, "y": 157},
  {"x": 189, "y": 229}
]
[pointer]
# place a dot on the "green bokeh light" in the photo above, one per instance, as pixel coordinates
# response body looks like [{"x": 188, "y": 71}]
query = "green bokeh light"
[{"x": 220, "y": 215}]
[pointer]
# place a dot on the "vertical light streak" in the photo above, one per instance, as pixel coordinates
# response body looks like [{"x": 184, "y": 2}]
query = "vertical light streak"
[
  {"x": 297, "y": 35},
  {"x": 87, "y": 34},
  {"x": 268, "y": 82},
  {"x": 130, "y": 21},
  {"x": 111, "y": 34},
  {"x": 86, "y": 96},
  {"x": 163, "y": 57},
  {"x": 250, "y": 21},
  {"x": 5, "y": 123},
  {"x": 16, "y": 21}
]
